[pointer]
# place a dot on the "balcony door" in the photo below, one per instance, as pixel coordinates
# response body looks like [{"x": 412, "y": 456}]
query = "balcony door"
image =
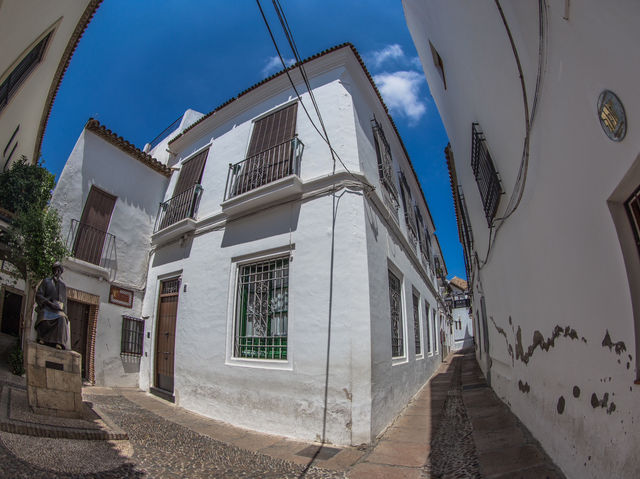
[
  {"x": 270, "y": 152},
  {"x": 182, "y": 204},
  {"x": 93, "y": 226}
]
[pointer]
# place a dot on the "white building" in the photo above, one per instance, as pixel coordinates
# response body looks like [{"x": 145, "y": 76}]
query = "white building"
[
  {"x": 274, "y": 289},
  {"x": 38, "y": 38},
  {"x": 535, "y": 98},
  {"x": 461, "y": 321}
]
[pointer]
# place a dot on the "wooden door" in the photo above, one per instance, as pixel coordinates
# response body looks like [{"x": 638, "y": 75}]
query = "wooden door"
[
  {"x": 166, "y": 333},
  {"x": 93, "y": 226},
  {"x": 11, "y": 313},
  {"x": 79, "y": 324},
  {"x": 270, "y": 152}
]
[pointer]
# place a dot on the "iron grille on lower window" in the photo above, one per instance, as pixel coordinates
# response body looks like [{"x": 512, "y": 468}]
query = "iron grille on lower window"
[
  {"x": 633, "y": 211},
  {"x": 395, "y": 299},
  {"x": 262, "y": 306},
  {"x": 132, "y": 336},
  {"x": 485, "y": 173},
  {"x": 416, "y": 324}
]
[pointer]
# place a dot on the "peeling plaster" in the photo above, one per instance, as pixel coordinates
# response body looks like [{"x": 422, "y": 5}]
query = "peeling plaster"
[
  {"x": 560, "y": 406},
  {"x": 576, "y": 392},
  {"x": 538, "y": 340},
  {"x": 525, "y": 388},
  {"x": 603, "y": 403},
  {"x": 503, "y": 333},
  {"x": 619, "y": 346}
]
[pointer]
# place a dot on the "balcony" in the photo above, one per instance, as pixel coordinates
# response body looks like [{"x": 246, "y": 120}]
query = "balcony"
[
  {"x": 271, "y": 175},
  {"x": 92, "y": 246},
  {"x": 176, "y": 216}
]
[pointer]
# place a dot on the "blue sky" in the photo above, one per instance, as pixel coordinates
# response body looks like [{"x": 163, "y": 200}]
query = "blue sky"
[{"x": 140, "y": 65}]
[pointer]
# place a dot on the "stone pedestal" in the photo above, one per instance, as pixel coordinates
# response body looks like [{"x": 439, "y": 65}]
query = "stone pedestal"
[{"x": 54, "y": 381}]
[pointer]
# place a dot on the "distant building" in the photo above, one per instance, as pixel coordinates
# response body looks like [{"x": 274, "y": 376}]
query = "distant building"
[
  {"x": 269, "y": 278},
  {"x": 539, "y": 100},
  {"x": 459, "y": 303}
]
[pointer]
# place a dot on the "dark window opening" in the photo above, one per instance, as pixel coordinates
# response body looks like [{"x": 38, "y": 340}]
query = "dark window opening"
[
  {"x": 437, "y": 61},
  {"x": 132, "y": 336},
  {"x": 485, "y": 173}
]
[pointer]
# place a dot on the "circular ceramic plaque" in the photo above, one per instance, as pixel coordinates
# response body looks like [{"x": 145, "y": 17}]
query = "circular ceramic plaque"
[{"x": 612, "y": 116}]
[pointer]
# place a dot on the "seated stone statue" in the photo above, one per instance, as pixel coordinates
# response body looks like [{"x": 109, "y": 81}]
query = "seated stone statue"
[{"x": 52, "y": 324}]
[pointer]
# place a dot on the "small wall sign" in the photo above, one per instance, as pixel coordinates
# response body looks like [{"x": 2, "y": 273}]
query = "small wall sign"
[
  {"x": 121, "y": 297},
  {"x": 612, "y": 116}
]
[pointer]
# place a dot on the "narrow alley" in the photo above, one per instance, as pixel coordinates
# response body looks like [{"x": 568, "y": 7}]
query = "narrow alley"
[{"x": 454, "y": 427}]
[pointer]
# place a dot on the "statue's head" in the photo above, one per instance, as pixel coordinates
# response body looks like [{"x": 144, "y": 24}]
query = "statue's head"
[{"x": 57, "y": 269}]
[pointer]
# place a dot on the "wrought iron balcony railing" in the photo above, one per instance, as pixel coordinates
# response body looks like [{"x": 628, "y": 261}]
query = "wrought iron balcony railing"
[
  {"x": 181, "y": 206},
  {"x": 92, "y": 245},
  {"x": 265, "y": 167}
]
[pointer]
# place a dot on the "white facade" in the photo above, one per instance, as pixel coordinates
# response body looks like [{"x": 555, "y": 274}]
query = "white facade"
[
  {"x": 337, "y": 325},
  {"x": 557, "y": 298}
]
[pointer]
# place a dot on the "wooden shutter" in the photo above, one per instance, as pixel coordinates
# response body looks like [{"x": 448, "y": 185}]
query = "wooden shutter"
[
  {"x": 270, "y": 152},
  {"x": 93, "y": 226},
  {"x": 191, "y": 172}
]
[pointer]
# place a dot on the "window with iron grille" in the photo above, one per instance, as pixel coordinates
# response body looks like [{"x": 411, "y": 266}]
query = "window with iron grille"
[
  {"x": 409, "y": 211},
  {"x": 465, "y": 232},
  {"x": 385, "y": 169},
  {"x": 485, "y": 173},
  {"x": 262, "y": 302},
  {"x": 435, "y": 329},
  {"x": 20, "y": 73},
  {"x": 395, "y": 300},
  {"x": 132, "y": 336},
  {"x": 416, "y": 324},
  {"x": 632, "y": 206},
  {"x": 427, "y": 326}
]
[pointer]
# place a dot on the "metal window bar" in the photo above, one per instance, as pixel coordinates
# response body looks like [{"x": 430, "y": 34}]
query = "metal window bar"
[
  {"x": 132, "y": 336},
  {"x": 397, "y": 343},
  {"x": 632, "y": 205},
  {"x": 427, "y": 325},
  {"x": 166, "y": 132},
  {"x": 181, "y": 206},
  {"x": 385, "y": 161},
  {"x": 416, "y": 324},
  {"x": 485, "y": 173},
  {"x": 467, "y": 233},
  {"x": 461, "y": 303},
  {"x": 265, "y": 167},
  {"x": 90, "y": 244},
  {"x": 262, "y": 307},
  {"x": 409, "y": 211}
]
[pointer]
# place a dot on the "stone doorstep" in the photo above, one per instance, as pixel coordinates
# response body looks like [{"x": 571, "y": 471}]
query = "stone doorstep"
[{"x": 32, "y": 427}]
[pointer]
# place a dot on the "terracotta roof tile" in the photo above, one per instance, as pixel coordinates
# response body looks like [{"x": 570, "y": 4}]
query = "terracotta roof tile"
[
  {"x": 94, "y": 126},
  {"x": 459, "y": 282}
]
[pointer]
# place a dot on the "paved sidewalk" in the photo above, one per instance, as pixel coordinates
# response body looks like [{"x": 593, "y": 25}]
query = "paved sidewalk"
[{"x": 454, "y": 427}]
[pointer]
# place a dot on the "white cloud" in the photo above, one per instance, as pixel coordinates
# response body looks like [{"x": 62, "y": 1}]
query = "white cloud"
[
  {"x": 390, "y": 52},
  {"x": 401, "y": 93},
  {"x": 273, "y": 64}
]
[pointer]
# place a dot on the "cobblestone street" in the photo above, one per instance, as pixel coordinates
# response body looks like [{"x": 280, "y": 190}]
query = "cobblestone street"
[{"x": 454, "y": 428}]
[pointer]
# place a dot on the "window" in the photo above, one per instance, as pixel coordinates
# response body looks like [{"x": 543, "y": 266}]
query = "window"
[
  {"x": 186, "y": 193},
  {"x": 435, "y": 330},
  {"x": 632, "y": 205},
  {"x": 485, "y": 173},
  {"x": 416, "y": 324},
  {"x": 465, "y": 232},
  {"x": 395, "y": 299},
  {"x": 132, "y": 336},
  {"x": 21, "y": 71},
  {"x": 91, "y": 242},
  {"x": 274, "y": 153},
  {"x": 262, "y": 301},
  {"x": 437, "y": 61},
  {"x": 428, "y": 326},
  {"x": 385, "y": 169},
  {"x": 409, "y": 211}
]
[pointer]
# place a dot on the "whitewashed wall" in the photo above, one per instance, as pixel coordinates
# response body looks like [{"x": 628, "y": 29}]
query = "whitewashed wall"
[
  {"x": 364, "y": 393},
  {"x": 462, "y": 338},
  {"x": 139, "y": 190},
  {"x": 556, "y": 276}
]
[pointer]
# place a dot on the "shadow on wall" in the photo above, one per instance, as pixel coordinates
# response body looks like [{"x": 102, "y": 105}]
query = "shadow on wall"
[
  {"x": 260, "y": 225},
  {"x": 130, "y": 364},
  {"x": 176, "y": 251}
]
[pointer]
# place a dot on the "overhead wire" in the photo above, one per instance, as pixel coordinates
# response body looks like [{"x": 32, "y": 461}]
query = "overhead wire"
[{"x": 521, "y": 179}]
